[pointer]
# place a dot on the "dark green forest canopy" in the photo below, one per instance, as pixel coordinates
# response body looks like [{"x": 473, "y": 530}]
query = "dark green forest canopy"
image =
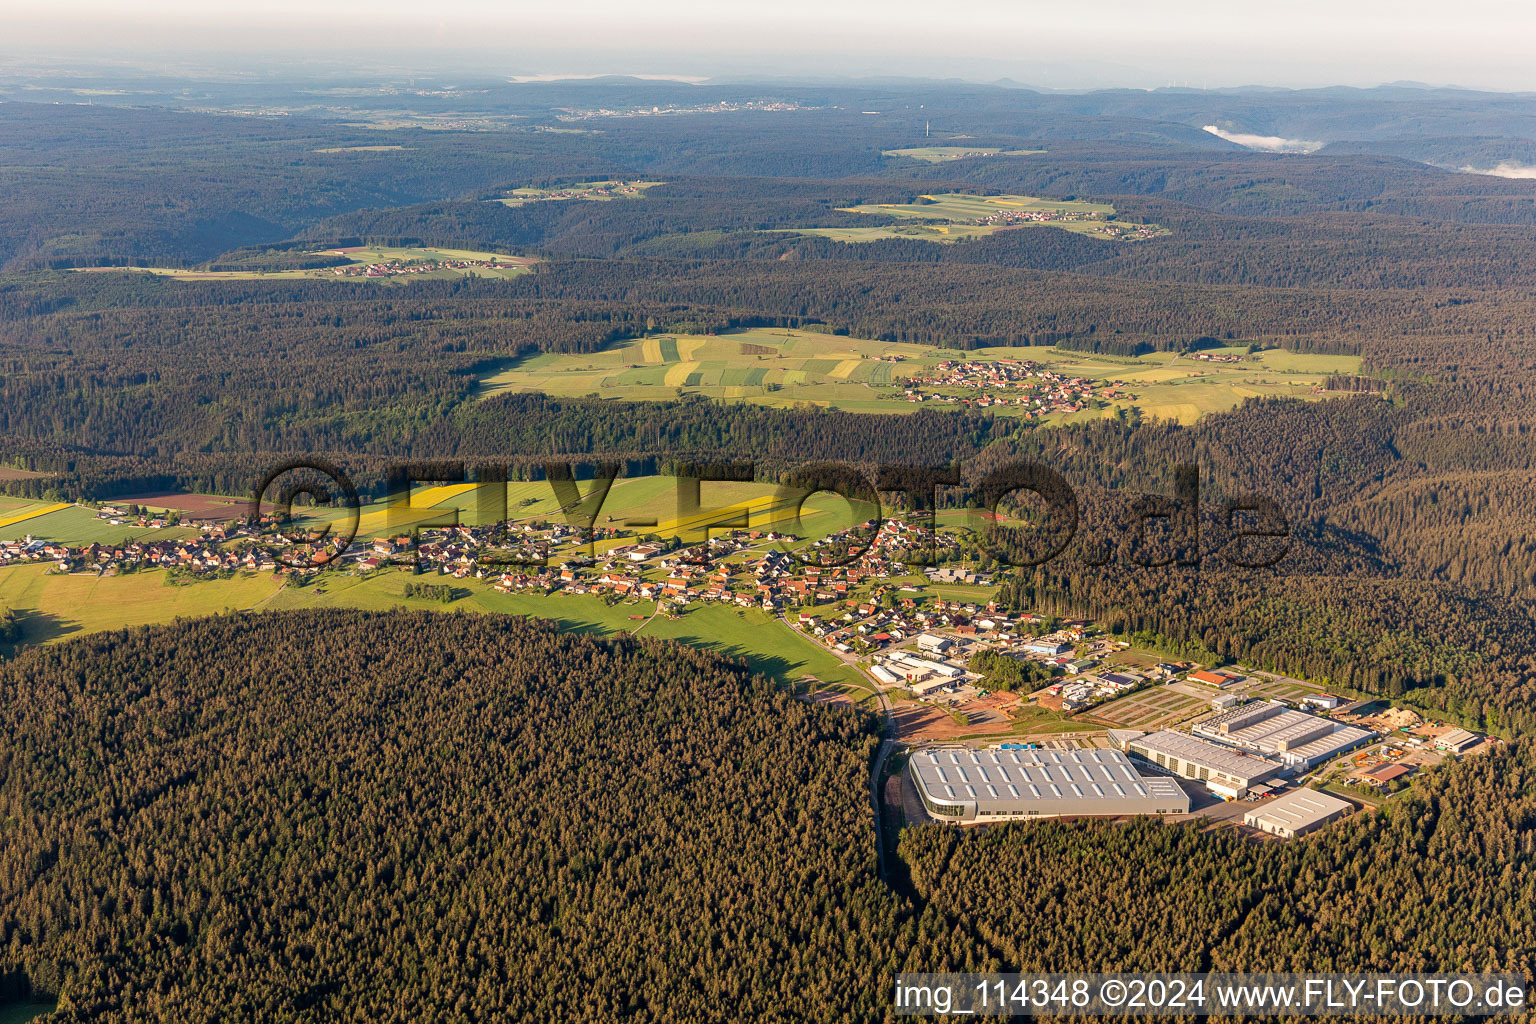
[
  {"x": 414, "y": 816},
  {"x": 405, "y": 817}
]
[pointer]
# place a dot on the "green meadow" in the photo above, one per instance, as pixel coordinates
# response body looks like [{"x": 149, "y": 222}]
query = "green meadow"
[
  {"x": 643, "y": 506},
  {"x": 766, "y": 366},
  {"x": 589, "y": 191},
  {"x": 1179, "y": 386},
  {"x": 10, "y": 506},
  {"x": 952, "y": 216},
  {"x": 783, "y": 368},
  {"x": 358, "y": 256},
  {"x": 942, "y": 154},
  {"x": 57, "y": 607},
  {"x": 75, "y": 524}
]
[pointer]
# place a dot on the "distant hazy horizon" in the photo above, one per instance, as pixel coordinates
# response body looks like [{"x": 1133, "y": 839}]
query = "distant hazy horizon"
[{"x": 1478, "y": 44}]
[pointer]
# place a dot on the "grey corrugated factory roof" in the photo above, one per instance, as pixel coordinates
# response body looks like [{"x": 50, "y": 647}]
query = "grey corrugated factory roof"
[
  {"x": 1297, "y": 810},
  {"x": 1213, "y": 755},
  {"x": 1035, "y": 775}
]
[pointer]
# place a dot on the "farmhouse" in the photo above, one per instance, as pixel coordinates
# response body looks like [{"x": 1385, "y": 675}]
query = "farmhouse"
[{"x": 641, "y": 552}]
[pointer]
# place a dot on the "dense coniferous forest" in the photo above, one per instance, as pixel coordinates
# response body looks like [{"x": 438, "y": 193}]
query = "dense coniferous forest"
[
  {"x": 407, "y": 818},
  {"x": 415, "y": 816}
]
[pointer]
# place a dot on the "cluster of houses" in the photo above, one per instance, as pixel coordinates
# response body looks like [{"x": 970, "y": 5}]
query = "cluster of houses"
[
  {"x": 195, "y": 554},
  {"x": 1023, "y": 216},
  {"x": 29, "y": 549},
  {"x": 1109, "y": 229},
  {"x": 399, "y": 268},
  {"x": 1087, "y": 690},
  {"x": 119, "y": 516},
  {"x": 1023, "y": 383},
  {"x": 848, "y": 607},
  {"x": 590, "y": 190},
  {"x": 723, "y": 107},
  {"x": 771, "y": 579},
  {"x": 863, "y": 626},
  {"x": 1120, "y": 229}
]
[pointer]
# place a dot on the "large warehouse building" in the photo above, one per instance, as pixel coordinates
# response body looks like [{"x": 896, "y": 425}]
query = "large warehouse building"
[
  {"x": 958, "y": 784},
  {"x": 1298, "y": 813},
  {"x": 1224, "y": 771},
  {"x": 1294, "y": 738}
]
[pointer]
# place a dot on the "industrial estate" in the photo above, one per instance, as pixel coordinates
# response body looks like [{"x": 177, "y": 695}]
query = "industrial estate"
[
  {"x": 1000, "y": 714},
  {"x": 1260, "y": 751}
]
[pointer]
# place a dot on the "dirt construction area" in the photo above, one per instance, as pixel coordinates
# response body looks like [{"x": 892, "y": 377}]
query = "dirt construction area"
[{"x": 942, "y": 720}]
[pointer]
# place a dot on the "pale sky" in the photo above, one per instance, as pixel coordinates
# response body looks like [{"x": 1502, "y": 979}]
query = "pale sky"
[{"x": 1076, "y": 43}]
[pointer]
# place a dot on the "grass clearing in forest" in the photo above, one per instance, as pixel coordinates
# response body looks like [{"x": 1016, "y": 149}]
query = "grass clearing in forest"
[
  {"x": 765, "y": 366},
  {"x": 380, "y": 264},
  {"x": 952, "y": 216},
  {"x": 588, "y": 191},
  {"x": 943, "y": 154},
  {"x": 783, "y": 368},
  {"x": 55, "y": 607}
]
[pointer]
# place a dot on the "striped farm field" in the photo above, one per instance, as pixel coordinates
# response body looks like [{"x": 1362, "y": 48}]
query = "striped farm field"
[
  {"x": 952, "y": 216},
  {"x": 17, "y": 518},
  {"x": 768, "y": 366},
  {"x": 784, "y": 368},
  {"x": 427, "y": 506},
  {"x": 677, "y": 375}
]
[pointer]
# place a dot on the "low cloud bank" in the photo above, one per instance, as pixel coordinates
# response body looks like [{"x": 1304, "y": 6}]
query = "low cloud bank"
[
  {"x": 1267, "y": 143},
  {"x": 1507, "y": 169}
]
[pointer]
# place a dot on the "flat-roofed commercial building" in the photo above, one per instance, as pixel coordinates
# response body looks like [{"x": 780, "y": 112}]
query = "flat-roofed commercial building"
[
  {"x": 1294, "y": 738},
  {"x": 1457, "y": 740},
  {"x": 936, "y": 644},
  {"x": 1226, "y": 772},
  {"x": 1298, "y": 813},
  {"x": 958, "y": 784}
]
